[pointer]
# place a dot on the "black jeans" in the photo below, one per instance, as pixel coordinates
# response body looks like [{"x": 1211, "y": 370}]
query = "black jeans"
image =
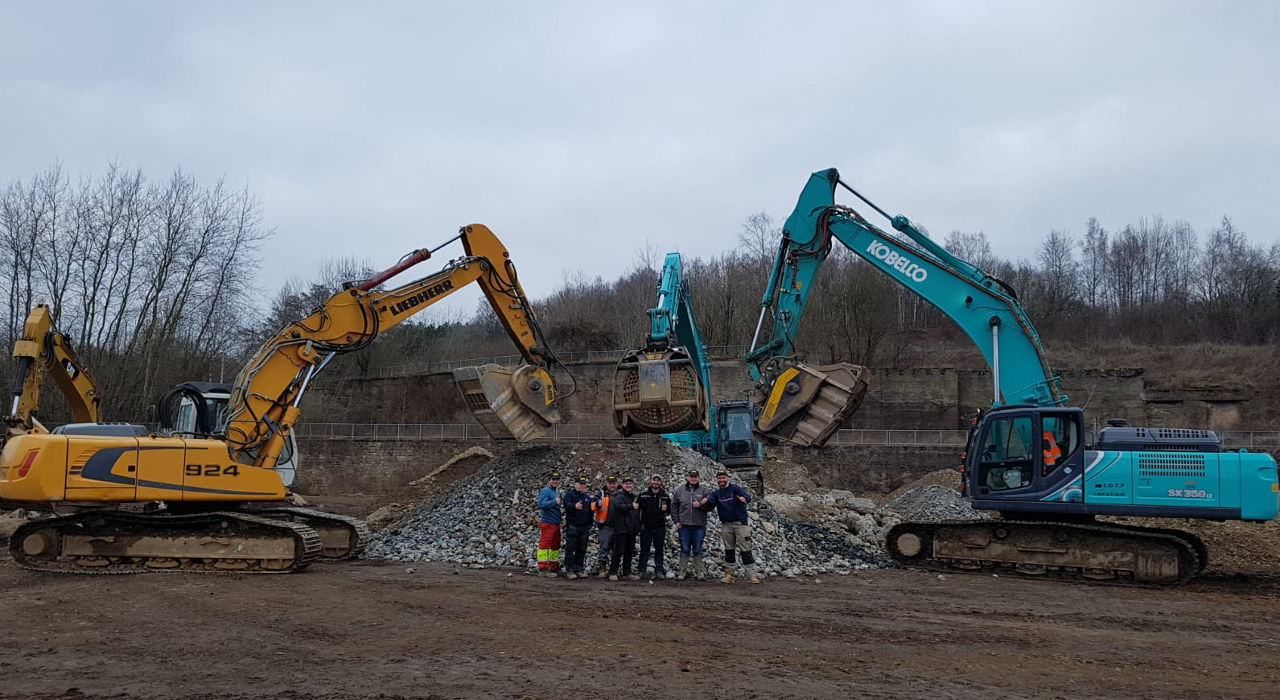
[
  {"x": 624, "y": 552},
  {"x": 655, "y": 537},
  {"x": 576, "y": 537}
]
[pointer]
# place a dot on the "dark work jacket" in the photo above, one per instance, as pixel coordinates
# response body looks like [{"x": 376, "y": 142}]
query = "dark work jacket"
[
  {"x": 622, "y": 517},
  {"x": 728, "y": 506},
  {"x": 573, "y": 516},
  {"x": 651, "y": 512}
]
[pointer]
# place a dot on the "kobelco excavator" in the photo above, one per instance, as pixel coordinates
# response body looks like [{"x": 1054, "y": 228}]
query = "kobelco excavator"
[
  {"x": 664, "y": 386},
  {"x": 207, "y": 487},
  {"x": 1027, "y": 456}
]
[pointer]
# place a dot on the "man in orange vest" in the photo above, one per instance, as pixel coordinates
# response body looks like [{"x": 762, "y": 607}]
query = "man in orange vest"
[
  {"x": 1052, "y": 453},
  {"x": 605, "y": 532}
]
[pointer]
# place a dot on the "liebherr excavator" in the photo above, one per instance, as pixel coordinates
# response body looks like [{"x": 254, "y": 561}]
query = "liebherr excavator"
[
  {"x": 43, "y": 351},
  {"x": 1026, "y": 458},
  {"x": 664, "y": 386},
  {"x": 208, "y": 487}
]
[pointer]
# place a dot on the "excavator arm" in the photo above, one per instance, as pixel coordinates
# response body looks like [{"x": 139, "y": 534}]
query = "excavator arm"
[
  {"x": 264, "y": 401},
  {"x": 43, "y": 351},
  {"x": 663, "y": 387},
  {"x": 984, "y": 307}
]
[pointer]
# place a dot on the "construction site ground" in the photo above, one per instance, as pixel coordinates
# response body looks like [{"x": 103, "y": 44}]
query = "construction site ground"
[{"x": 373, "y": 629}]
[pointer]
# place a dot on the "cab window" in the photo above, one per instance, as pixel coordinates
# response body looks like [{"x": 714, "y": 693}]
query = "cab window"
[
  {"x": 1007, "y": 456},
  {"x": 1060, "y": 436}
]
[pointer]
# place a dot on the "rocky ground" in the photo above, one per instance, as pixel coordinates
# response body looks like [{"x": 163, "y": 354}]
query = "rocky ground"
[{"x": 489, "y": 519}]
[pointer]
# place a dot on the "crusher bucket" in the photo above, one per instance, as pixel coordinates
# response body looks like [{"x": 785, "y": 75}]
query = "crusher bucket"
[
  {"x": 807, "y": 404},
  {"x": 510, "y": 402},
  {"x": 657, "y": 391}
]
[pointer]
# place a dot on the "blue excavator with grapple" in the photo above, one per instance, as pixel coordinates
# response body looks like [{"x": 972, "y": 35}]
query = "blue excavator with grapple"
[
  {"x": 664, "y": 386},
  {"x": 1027, "y": 456}
]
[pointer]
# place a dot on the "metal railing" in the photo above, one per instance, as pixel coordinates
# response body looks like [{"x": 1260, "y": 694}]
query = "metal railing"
[
  {"x": 1255, "y": 441},
  {"x": 588, "y": 431},
  {"x": 715, "y": 352}
]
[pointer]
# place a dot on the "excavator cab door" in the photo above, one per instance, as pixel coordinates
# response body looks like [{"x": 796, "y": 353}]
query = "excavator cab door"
[{"x": 1021, "y": 455}]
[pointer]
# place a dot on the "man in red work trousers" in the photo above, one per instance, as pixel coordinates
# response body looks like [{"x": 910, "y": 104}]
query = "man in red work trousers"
[{"x": 550, "y": 517}]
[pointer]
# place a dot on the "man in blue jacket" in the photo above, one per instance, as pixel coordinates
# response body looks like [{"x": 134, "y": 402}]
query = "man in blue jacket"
[
  {"x": 578, "y": 516},
  {"x": 549, "y": 519},
  {"x": 735, "y": 527}
]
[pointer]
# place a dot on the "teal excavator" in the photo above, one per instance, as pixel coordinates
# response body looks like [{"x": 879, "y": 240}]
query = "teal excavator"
[
  {"x": 1029, "y": 457},
  {"x": 664, "y": 387}
]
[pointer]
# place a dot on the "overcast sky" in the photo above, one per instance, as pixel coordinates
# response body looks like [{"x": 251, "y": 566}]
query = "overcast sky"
[{"x": 579, "y": 130}]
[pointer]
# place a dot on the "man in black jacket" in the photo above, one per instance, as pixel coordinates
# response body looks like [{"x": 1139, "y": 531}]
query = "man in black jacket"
[
  {"x": 624, "y": 518},
  {"x": 655, "y": 506}
]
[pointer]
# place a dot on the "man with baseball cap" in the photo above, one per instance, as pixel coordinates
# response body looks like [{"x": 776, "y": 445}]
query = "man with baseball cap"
[
  {"x": 549, "y": 519},
  {"x": 655, "y": 506},
  {"x": 624, "y": 517},
  {"x": 735, "y": 527},
  {"x": 577, "y": 515},
  {"x": 689, "y": 506},
  {"x": 604, "y": 534}
]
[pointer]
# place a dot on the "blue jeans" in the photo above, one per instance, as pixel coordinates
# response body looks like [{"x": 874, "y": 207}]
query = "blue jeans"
[
  {"x": 691, "y": 540},
  {"x": 655, "y": 538}
]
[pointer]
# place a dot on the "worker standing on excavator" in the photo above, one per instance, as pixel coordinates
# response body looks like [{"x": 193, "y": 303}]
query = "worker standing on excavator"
[{"x": 550, "y": 518}]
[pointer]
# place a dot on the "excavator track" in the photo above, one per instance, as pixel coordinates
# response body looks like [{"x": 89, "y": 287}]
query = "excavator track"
[
  {"x": 341, "y": 536},
  {"x": 118, "y": 542},
  {"x": 1096, "y": 552}
]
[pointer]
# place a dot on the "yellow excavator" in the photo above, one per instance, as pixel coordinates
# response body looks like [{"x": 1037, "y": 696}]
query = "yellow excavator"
[
  {"x": 213, "y": 503},
  {"x": 42, "y": 352}
]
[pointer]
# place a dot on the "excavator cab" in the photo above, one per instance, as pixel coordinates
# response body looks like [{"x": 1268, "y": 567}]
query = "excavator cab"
[
  {"x": 509, "y": 402},
  {"x": 804, "y": 404},
  {"x": 657, "y": 390}
]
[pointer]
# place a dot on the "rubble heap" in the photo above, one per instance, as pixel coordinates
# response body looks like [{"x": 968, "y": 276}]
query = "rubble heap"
[{"x": 490, "y": 518}]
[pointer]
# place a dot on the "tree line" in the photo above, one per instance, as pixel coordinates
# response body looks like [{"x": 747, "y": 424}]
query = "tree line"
[{"x": 151, "y": 279}]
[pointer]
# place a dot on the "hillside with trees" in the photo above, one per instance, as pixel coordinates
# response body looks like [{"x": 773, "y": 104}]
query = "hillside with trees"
[{"x": 149, "y": 279}]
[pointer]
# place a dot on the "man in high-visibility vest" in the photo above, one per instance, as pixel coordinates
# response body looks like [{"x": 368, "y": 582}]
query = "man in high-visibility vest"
[
  {"x": 605, "y": 532},
  {"x": 549, "y": 520}
]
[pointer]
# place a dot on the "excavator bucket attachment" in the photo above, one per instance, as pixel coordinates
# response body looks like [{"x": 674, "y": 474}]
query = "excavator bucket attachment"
[
  {"x": 808, "y": 403},
  {"x": 510, "y": 402},
  {"x": 657, "y": 391}
]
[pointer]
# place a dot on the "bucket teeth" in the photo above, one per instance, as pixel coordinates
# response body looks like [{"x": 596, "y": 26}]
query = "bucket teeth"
[{"x": 513, "y": 403}]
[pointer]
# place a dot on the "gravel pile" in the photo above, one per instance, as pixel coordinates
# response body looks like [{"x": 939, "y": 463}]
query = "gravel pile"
[
  {"x": 933, "y": 502},
  {"x": 490, "y": 518}
]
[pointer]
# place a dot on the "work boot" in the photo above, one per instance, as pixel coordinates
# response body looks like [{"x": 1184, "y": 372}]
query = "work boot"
[
  {"x": 602, "y": 573},
  {"x": 699, "y": 569},
  {"x": 728, "y": 577},
  {"x": 753, "y": 579},
  {"x": 571, "y": 576},
  {"x": 633, "y": 577},
  {"x": 613, "y": 577},
  {"x": 751, "y": 575},
  {"x": 684, "y": 567}
]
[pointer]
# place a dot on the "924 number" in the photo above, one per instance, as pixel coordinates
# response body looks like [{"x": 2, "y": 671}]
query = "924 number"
[{"x": 212, "y": 470}]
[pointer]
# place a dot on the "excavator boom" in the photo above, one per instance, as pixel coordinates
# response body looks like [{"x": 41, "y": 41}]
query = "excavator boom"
[{"x": 207, "y": 482}]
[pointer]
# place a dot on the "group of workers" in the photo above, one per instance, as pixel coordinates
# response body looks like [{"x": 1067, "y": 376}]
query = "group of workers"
[{"x": 619, "y": 515}]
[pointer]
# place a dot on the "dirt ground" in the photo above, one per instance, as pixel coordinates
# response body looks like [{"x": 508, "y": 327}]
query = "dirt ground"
[{"x": 366, "y": 629}]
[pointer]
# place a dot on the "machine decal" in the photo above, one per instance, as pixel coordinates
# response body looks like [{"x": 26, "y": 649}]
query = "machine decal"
[
  {"x": 417, "y": 299},
  {"x": 1073, "y": 490},
  {"x": 98, "y": 468}
]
